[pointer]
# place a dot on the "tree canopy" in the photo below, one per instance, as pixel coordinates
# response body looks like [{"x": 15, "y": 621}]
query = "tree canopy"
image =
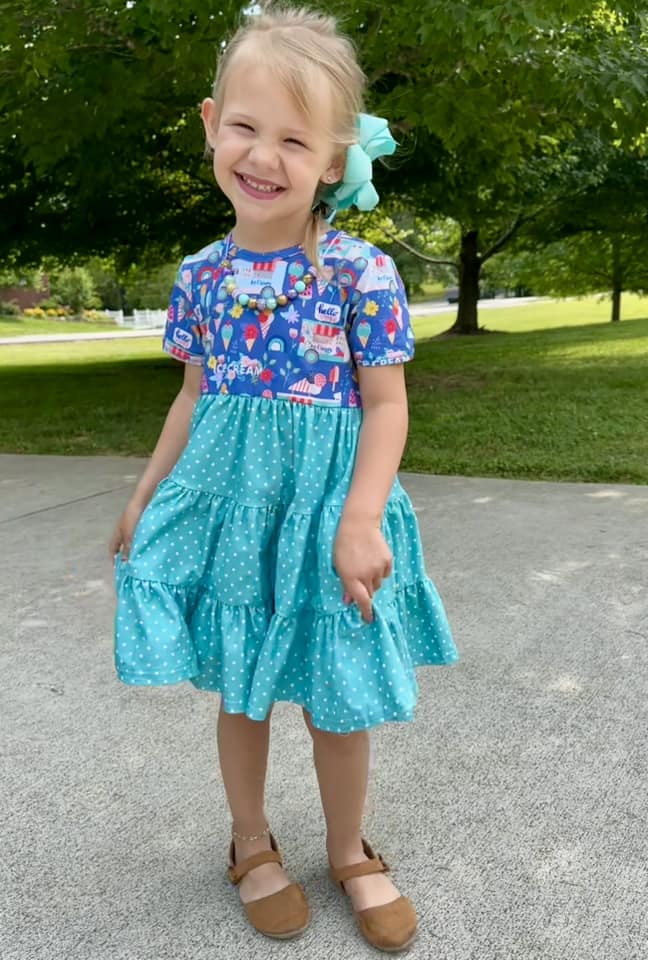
[{"x": 504, "y": 108}]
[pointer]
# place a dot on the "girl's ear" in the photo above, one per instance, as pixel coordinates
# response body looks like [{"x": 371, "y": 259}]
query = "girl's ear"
[
  {"x": 335, "y": 172},
  {"x": 209, "y": 114}
]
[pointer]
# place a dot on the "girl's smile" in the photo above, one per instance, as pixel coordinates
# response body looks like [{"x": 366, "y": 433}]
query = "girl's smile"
[{"x": 261, "y": 189}]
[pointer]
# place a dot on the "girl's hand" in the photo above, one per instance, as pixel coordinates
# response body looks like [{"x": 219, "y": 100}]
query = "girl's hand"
[
  {"x": 362, "y": 560},
  {"x": 123, "y": 535}
]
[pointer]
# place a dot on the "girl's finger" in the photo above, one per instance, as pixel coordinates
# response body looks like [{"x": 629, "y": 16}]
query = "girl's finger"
[{"x": 362, "y": 597}]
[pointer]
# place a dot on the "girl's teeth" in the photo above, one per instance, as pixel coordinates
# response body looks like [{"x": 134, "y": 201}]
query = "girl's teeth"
[{"x": 262, "y": 187}]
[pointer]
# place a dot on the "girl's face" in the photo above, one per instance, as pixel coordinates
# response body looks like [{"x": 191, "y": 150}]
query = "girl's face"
[{"x": 269, "y": 158}]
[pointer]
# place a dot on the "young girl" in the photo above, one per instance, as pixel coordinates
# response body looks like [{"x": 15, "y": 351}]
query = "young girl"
[{"x": 269, "y": 552}]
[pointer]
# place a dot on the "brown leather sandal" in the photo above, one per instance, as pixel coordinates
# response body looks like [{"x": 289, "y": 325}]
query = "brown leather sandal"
[
  {"x": 391, "y": 926},
  {"x": 282, "y": 915}
]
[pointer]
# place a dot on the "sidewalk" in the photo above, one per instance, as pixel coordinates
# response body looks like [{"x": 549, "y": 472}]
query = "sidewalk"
[
  {"x": 426, "y": 308},
  {"x": 513, "y": 811}
]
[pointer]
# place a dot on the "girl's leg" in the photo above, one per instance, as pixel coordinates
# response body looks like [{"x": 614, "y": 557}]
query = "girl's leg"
[
  {"x": 342, "y": 765},
  {"x": 243, "y": 754}
]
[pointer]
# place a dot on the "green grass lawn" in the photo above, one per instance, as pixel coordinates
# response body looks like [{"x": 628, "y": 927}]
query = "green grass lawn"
[
  {"x": 24, "y": 326},
  {"x": 563, "y": 397},
  {"x": 541, "y": 315}
]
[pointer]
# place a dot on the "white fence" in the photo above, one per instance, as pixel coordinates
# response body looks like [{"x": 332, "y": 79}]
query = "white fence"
[
  {"x": 148, "y": 318},
  {"x": 140, "y": 320}
]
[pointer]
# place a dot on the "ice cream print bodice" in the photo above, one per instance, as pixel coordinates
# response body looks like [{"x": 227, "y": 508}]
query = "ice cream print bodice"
[{"x": 275, "y": 326}]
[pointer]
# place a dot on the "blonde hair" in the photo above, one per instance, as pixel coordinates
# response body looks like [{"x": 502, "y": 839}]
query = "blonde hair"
[{"x": 300, "y": 46}]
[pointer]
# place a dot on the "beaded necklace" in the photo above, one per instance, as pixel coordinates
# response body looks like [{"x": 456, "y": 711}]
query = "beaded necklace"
[{"x": 266, "y": 302}]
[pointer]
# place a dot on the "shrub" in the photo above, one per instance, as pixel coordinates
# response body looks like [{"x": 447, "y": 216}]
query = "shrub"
[
  {"x": 9, "y": 308},
  {"x": 52, "y": 303}
]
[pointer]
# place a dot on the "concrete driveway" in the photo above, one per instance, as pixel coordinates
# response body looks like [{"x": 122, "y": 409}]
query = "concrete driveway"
[{"x": 513, "y": 811}]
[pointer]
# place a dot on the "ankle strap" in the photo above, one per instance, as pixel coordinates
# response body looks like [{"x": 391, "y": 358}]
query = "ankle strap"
[
  {"x": 375, "y": 864},
  {"x": 237, "y": 871}
]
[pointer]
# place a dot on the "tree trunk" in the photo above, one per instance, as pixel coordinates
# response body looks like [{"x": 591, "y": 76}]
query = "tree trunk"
[
  {"x": 469, "y": 269},
  {"x": 617, "y": 279}
]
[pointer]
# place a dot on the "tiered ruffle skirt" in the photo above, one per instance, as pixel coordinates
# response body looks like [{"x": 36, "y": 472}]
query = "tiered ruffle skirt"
[{"x": 230, "y": 582}]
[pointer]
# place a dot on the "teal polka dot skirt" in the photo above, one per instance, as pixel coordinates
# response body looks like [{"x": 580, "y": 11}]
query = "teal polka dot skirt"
[{"x": 230, "y": 582}]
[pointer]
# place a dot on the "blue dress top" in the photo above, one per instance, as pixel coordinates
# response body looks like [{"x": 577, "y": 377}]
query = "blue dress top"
[{"x": 355, "y": 313}]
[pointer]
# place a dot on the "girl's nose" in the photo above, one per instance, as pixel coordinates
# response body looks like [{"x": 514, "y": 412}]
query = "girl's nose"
[{"x": 265, "y": 155}]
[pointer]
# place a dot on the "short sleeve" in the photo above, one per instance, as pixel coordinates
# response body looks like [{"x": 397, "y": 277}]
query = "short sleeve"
[
  {"x": 182, "y": 335},
  {"x": 380, "y": 331}
]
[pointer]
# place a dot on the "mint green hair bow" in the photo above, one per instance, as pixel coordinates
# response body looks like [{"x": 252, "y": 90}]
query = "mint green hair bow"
[{"x": 356, "y": 188}]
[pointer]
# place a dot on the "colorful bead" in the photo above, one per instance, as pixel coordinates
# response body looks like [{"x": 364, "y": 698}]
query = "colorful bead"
[{"x": 270, "y": 299}]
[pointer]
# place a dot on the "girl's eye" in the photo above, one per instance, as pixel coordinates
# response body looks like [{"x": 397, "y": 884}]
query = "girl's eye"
[
  {"x": 293, "y": 140},
  {"x": 244, "y": 126}
]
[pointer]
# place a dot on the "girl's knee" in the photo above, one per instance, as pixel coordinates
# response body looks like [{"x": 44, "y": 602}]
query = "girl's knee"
[{"x": 336, "y": 740}]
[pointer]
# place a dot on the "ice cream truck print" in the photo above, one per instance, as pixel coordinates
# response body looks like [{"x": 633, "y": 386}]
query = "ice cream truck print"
[{"x": 320, "y": 341}]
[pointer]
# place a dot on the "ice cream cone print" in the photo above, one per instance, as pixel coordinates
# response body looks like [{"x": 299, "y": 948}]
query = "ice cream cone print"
[
  {"x": 390, "y": 329},
  {"x": 398, "y": 313},
  {"x": 251, "y": 335},
  {"x": 266, "y": 321},
  {"x": 364, "y": 332},
  {"x": 226, "y": 332}
]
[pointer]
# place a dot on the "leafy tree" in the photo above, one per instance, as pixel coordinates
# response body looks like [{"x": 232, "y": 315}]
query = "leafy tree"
[
  {"x": 21, "y": 277},
  {"x": 601, "y": 239},
  {"x": 100, "y": 136},
  {"x": 503, "y": 107},
  {"x": 104, "y": 274},
  {"x": 589, "y": 262},
  {"x": 512, "y": 106},
  {"x": 604, "y": 234},
  {"x": 73, "y": 286},
  {"x": 147, "y": 286}
]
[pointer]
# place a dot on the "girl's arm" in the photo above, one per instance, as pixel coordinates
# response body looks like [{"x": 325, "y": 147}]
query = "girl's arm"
[
  {"x": 173, "y": 437},
  {"x": 171, "y": 443},
  {"x": 381, "y": 443},
  {"x": 362, "y": 557}
]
